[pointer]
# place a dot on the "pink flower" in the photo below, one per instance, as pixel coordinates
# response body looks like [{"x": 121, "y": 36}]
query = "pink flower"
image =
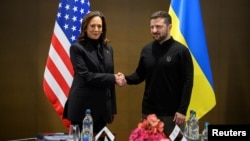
[{"x": 150, "y": 129}]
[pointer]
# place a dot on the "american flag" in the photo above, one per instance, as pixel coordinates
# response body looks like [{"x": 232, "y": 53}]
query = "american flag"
[{"x": 58, "y": 74}]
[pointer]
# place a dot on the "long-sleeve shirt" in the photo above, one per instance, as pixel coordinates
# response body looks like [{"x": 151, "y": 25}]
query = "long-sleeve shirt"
[{"x": 168, "y": 73}]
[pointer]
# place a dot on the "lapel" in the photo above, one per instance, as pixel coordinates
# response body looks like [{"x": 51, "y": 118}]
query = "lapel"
[
  {"x": 101, "y": 61},
  {"x": 94, "y": 57},
  {"x": 107, "y": 54}
]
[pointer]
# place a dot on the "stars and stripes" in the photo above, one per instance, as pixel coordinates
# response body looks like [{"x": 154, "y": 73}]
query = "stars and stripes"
[{"x": 58, "y": 74}]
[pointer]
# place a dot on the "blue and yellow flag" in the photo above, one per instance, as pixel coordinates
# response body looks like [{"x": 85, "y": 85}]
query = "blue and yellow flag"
[{"x": 187, "y": 28}]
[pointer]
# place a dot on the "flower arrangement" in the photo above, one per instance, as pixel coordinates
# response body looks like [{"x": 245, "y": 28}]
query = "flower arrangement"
[{"x": 150, "y": 129}]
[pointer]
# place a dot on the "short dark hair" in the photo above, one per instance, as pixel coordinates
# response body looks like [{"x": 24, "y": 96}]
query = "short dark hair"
[
  {"x": 86, "y": 21},
  {"x": 162, "y": 14}
]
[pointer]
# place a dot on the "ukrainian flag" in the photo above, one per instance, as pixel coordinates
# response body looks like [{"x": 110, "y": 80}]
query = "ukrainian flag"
[{"x": 188, "y": 29}]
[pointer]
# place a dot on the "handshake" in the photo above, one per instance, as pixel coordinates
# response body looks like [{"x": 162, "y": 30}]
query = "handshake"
[{"x": 120, "y": 79}]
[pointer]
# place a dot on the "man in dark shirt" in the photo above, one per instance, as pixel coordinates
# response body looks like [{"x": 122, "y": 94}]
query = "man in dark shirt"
[{"x": 167, "y": 68}]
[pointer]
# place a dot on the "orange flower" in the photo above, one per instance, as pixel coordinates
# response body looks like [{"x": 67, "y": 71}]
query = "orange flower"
[
  {"x": 153, "y": 120},
  {"x": 150, "y": 129},
  {"x": 152, "y": 124}
]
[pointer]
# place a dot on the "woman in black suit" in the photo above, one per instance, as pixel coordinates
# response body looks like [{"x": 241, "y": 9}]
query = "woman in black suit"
[{"x": 93, "y": 86}]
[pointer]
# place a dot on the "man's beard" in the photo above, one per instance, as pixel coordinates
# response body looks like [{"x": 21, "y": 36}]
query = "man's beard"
[{"x": 159, "y": 38}]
